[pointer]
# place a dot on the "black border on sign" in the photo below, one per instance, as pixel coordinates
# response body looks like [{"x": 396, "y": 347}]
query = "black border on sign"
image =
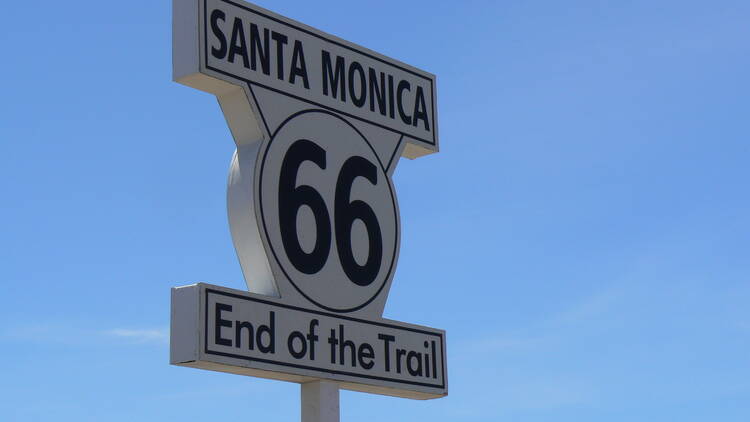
[
  {"x": 396, "y": 241},
  {"x": 312, "y": 368},
  {"x": 306, "y": 31}
]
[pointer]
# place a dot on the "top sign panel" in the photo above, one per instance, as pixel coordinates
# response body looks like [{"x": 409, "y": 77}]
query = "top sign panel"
[{"x": 247, "y": 43}]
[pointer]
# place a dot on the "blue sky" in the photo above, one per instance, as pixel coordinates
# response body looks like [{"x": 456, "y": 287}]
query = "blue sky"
[{"x": 583, "y": 234}]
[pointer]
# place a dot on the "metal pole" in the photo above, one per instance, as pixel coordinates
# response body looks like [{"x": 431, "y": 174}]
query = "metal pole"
[{"x": 320, "y": 401}]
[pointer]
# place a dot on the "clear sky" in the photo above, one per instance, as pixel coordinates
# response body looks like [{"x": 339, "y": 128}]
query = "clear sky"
[{"x": 583, "y": 234}]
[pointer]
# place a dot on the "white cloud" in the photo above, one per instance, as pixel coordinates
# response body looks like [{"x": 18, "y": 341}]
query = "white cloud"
[
  {"x": 42, "y": 333},
  {"x": 71, "y": 334},
  {"x": 553, "y": 329},
  {"x": 157, "y": 335}
]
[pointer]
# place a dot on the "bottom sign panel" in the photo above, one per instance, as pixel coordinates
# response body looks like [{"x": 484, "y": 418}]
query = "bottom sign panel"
[{"x": 243, "y": 333}]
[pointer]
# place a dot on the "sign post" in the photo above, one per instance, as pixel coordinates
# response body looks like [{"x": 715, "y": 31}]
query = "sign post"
[
  {"x": 320, "y": 401},
  {"x": 319, "y": 124}
]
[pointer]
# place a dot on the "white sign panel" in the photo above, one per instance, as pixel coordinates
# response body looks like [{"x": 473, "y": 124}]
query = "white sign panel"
[
  {"x": 249, "y": 44},
  {"x": 345, "y": 256},
  {"x": 232, "y": 331},
  {"x": 239, "y": 42},
  {"x": 320, "y": 125}
]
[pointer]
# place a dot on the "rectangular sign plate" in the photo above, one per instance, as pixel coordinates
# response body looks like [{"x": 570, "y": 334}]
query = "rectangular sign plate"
[
  {"x": 243, "y": 333},
  {"x": 243, "y": 44}
]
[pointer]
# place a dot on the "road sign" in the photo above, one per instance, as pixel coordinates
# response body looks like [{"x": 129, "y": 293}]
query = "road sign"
[
  {"x": 244, "y": 333},
  {"x": 319, "y": 124}
]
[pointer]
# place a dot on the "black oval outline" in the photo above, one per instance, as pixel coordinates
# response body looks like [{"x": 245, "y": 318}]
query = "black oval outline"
[{"x": 397, "y": 240}]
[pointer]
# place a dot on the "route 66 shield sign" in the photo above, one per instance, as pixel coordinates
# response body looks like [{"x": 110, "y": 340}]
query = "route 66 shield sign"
[{"x": 319, "y": 124}]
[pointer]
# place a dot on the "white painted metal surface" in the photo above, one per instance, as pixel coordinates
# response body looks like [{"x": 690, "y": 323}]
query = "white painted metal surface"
[
  {"x": 249, "y": 334},
  {"x": 279, "y": 81},
  {"x": 319, "y": 124},
  {"x": 319, "y": 401}
]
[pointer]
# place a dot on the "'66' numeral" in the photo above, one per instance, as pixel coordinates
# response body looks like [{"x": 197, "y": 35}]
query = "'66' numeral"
[{"x": 292, "y": 197}]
